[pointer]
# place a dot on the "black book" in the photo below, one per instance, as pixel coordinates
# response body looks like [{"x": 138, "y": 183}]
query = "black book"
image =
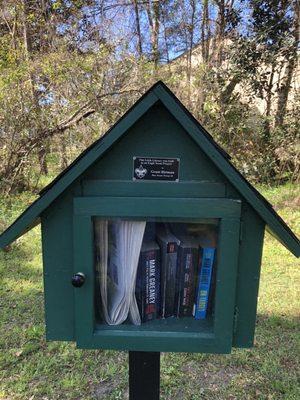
[
  {"x": 148, "y": 281},
  {"x": 187, "y": 262},
  {"x": 168, "y": 247}
]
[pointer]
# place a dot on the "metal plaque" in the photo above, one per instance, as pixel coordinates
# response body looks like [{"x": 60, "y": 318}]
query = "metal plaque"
[{"x": 156, "y": 169}]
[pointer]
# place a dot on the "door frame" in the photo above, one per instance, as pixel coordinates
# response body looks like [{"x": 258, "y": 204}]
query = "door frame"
[{"x": 176, "y": 209}]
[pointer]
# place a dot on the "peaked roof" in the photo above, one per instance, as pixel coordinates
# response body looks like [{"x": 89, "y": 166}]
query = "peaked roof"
[{"x": 158, "y": 92}]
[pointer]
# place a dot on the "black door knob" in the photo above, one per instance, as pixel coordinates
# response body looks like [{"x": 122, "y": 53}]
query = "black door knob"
[{"x": 78, "y": 279}]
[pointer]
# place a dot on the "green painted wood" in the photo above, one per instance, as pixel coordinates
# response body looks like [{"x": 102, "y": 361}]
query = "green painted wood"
[
  {"x": 156, "y": 207},
  {"x": 57, "y": 245},
  {"x": 159, "y": 336},
  {"x": 152, "y": 189},
  {"x": 157, "y": 92},
  {"x": 156, "y": 134},
  {"x": 156, "y": 342},
  {"x": 204, "y": 328},
  {"x": 83, "y": 260},
  {"x": 250, "y": 254},
  {"x": 57, "y": 242},
  {"x": 279, "y": 228},
  {"x": 227, "y": 259},
  {"x": 156, "y": 126},
  {"x": 27, "y": 220}
]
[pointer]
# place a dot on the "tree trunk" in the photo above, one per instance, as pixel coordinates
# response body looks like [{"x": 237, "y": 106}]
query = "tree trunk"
[
  {"x": 27, "y": 38},
  {"x": 138, "y": 28},
  {"x": 63, "y": 153},
  {"x": 42, "y": 153},
  {"x": 268, "y": 105},
  {"x": 153, "y": 12},
  {"x": 220, "y": 31},
  {"x": 190, "y": 49},
  {"x": 155, "y": 33},
  {"x": 228, "y": 90},
  {"x": 28, "y": 46},
  {"x": 285, "y": 86},
  {"x": 166, "y": 38},
  {"x": 205, "y": 33}
]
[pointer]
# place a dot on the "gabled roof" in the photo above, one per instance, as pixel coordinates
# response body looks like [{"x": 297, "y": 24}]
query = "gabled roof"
[{"x": 158, "y": 92}]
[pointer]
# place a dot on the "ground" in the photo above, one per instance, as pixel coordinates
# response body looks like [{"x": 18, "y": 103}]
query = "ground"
[{"x": 31, "y": 369}]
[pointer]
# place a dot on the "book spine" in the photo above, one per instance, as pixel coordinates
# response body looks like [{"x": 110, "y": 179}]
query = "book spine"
[
  {"x": 147, "y": 285},
  {"x": 170, "y": 269},
  {"x": 204, "y": 281},
  {"x": 163, "y": 280},
  {"x": 140, "y": 284},
  {"x": 212, "y": 290},
  {"x": 188, "y": 267},
  {"x": 178, "y": 286}
]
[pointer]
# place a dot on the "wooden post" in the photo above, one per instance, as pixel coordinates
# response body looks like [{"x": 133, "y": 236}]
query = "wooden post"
[{"x": 144, "y": 375}]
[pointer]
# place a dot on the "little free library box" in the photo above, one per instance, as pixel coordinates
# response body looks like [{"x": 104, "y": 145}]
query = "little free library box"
[{"x": 152, "y": 240}]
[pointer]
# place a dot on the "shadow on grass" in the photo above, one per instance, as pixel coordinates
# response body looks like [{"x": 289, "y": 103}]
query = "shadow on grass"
[
  {"x": 20, "y": 262},
  {"x": 278, "y": 321}
]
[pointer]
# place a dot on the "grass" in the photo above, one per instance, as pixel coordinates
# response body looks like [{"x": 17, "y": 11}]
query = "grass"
[{"x": 31, "y": 369}]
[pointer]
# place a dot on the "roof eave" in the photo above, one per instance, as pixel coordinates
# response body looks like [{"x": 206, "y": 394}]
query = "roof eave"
[{"x": 159, "y": 92}]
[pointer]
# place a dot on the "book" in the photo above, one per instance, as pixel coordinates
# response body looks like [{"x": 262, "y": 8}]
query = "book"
[
  {"x": 168, "y": 250},
  {"x": 147, "y": 289},
  {"x": 206, "y": 262},
  {"x": 187, "y": 261}
]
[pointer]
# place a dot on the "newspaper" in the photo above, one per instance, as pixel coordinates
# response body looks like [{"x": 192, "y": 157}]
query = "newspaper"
[{"x": 118, "y": 246}]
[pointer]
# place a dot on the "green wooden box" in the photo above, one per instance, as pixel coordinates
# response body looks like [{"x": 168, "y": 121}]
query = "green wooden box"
[{"x": 102, "y": 182}]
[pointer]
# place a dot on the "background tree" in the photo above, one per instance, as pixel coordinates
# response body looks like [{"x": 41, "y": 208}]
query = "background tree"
[{"x": 69, "y": 69}]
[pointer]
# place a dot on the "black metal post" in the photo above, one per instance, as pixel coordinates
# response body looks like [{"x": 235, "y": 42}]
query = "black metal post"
[{"x": 144, "y": 375}]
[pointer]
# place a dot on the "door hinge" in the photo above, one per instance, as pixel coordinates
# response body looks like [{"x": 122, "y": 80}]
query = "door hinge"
[
  {"x": 241, "y": 230},
  {"x": 235, "y": 319}
]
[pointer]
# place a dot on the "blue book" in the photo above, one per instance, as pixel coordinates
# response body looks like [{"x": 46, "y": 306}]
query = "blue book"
[{"x": 204, "y": 282}]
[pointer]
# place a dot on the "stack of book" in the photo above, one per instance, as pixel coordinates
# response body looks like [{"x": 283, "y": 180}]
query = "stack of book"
[{"x": 175, "y": 274}]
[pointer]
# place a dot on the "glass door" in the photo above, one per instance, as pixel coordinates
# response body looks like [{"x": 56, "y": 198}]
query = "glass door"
[{"x": 159, "y": 273}]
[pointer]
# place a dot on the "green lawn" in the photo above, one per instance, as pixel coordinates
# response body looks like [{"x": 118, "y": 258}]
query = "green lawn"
[{"x": 31, "y": 369}]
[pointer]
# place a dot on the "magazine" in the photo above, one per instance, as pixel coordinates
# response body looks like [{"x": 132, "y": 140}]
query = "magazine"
[{"x": 118, "y": 245}]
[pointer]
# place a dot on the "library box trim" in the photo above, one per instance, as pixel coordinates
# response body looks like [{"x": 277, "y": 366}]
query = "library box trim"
[{"x": 212, "y": 336}]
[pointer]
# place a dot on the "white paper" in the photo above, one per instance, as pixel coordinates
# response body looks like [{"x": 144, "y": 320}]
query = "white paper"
[{"x": 118, "y": 245}]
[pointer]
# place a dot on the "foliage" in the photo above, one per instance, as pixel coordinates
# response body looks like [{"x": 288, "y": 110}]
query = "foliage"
[
  {"x": 31, "y": 368},
  {"x": 70, "y": 69}
]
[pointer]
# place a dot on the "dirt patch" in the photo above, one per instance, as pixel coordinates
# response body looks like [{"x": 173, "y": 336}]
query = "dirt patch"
[
  {"x": 293, "y": 203},
  {"x": 103, "y": 390},
  {"x": 212, "y": 377}
]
